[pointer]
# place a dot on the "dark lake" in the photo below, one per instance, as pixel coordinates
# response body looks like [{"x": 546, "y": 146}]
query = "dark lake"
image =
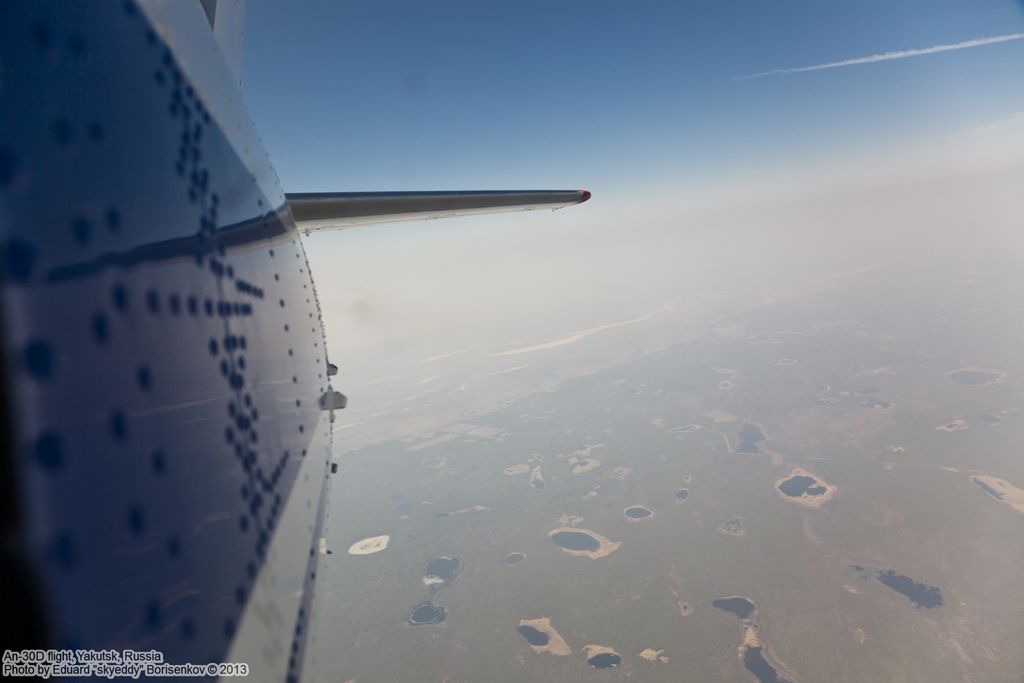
[
  {"x": 533, "y": 636},
  {"x": 637, "y": 512},
  {"x": 749, "y": 435},
  {"x": 991, "y": 420},
  {"x": 605, "y": 660},
  {"x": 973, "y": 377},
  {"x": 920, "y": 594},
  {"x": 741, "y": 607},
  {"x": 445, "y": 568},
  {"x": 682, "y": 494},
  {"x": 575, "y": 540},
  {"x": 794, "y": 487},
  {"x": 514, "y": 558},
  {"x": 988, "y": 489},
  {"x": 427, "y": 613},
  {"x": 756, "y": 664},
  {"x": 732, "y": 526}
]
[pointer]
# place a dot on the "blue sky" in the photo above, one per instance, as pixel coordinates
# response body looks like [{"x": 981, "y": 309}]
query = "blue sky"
[{"x": 613, "y": 96}]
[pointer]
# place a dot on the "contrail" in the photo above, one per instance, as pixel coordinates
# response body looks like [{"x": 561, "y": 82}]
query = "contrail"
[{"x": 887, "y": 56}]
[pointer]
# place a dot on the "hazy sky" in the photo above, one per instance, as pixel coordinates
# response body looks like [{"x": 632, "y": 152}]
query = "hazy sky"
[{"x": 901, "y": 121}]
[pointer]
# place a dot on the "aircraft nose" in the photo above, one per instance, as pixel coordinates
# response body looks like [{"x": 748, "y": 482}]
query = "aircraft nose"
[{"x": 584, "y": 195}]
